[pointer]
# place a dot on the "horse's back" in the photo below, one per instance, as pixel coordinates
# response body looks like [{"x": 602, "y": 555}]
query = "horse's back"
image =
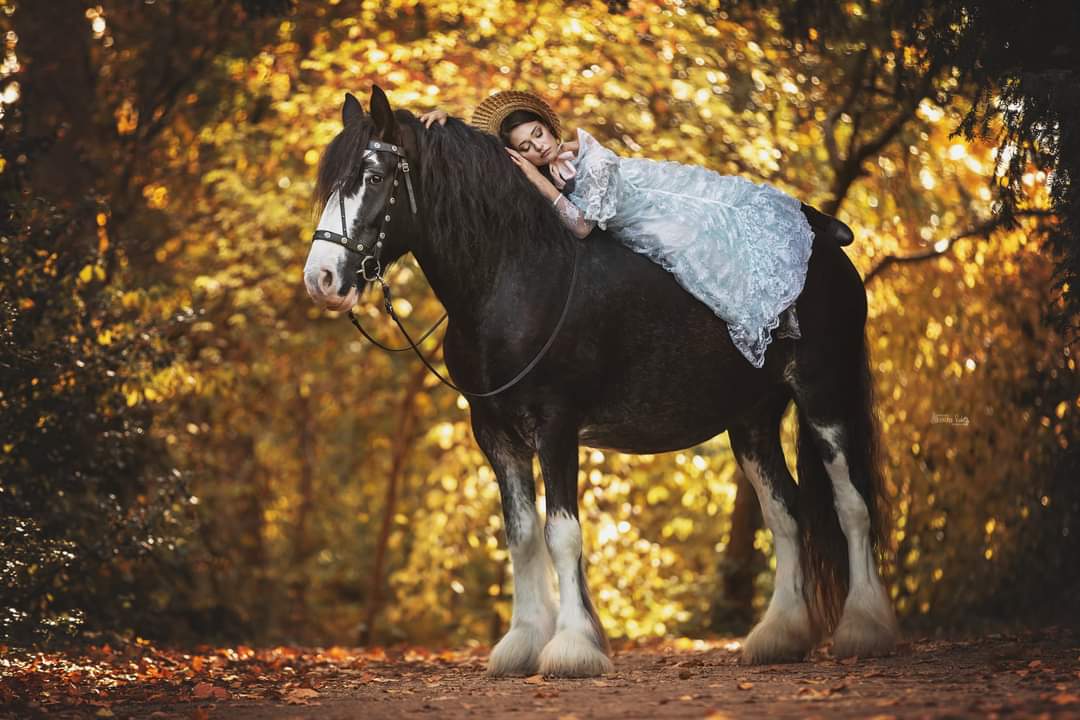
[
  {"x": 663, "y": 370},
  {"x": 642, "y": 366}
]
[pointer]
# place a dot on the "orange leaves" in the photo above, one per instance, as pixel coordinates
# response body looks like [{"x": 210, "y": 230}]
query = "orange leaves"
[
  {"x": 207, "y": 691},
  {"x": 301, "y": 696},
  {"x": 127, "y": 117},
  {"x": 141, "y": 672}
]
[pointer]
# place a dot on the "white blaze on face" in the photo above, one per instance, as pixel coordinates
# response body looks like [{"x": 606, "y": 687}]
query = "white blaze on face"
[{"x": 325, "y": 267}]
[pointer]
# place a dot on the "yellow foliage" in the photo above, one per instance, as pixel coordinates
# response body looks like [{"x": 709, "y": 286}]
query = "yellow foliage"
[{"x": 296, "y": 421}]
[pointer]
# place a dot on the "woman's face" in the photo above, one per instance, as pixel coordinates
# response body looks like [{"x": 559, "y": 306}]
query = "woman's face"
[{"x": 535, "y": 142}]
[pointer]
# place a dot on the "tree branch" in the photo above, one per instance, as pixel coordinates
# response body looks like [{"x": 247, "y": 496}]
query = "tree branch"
[
  {"x": 829, "y": 125},
  {"x": 981, "y": 230},
  {"x": 851, "y": 167}
]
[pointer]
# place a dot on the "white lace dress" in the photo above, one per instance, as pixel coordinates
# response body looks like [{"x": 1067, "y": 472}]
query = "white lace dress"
[{"x": 740, "y": 248}]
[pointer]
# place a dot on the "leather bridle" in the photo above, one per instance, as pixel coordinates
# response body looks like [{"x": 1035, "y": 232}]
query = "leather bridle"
[{"x": 371, "y": 252}]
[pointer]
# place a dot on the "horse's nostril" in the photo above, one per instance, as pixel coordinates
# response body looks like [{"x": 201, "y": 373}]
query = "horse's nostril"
[{"x": 326, "y": 281}]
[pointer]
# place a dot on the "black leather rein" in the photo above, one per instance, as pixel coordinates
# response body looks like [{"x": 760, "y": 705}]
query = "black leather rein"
[{"x": 371, "y": 253}]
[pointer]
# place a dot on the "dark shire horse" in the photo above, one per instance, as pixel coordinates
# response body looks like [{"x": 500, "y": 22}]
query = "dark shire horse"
[{"x": 638, "y": 366}]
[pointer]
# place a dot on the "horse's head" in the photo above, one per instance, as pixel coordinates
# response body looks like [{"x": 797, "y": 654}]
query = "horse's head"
[{"x": 368, "y": 200}]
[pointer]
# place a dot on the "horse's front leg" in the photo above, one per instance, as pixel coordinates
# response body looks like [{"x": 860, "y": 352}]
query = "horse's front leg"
[
  {"x": 580, "y": 647},
  {"x": 533, "y": 621}
]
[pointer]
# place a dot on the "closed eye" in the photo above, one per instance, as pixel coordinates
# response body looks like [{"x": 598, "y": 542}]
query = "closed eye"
[{"x": 527, "y": 146}]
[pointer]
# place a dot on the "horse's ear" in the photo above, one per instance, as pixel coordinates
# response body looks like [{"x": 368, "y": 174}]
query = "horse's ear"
[
  {"x": 351, "y": 110},
  {"x": 381, "y": 113}
]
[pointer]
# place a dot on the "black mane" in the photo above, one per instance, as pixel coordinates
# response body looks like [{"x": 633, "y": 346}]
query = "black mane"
[
  {"x": 341, "y": 159},
  {"x": 471, "y": 195}
]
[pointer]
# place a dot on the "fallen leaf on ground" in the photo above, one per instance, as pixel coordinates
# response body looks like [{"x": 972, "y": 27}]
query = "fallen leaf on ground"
[
  {"x": 1065, "y": 699},
  {"x": 807, "y": 693},
  {"x": 337, "y": 653},
  {"x": 534, "y": 680},
  {"x": 301, "y": 696},
  {"x": 745, "y": 685},
  {"x": 207, "y": 691}
]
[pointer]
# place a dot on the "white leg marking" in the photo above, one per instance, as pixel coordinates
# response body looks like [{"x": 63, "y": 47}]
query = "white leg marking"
[
  {"x": 867, "y": 623},
  {"x": 533, "y": 621},
  {"x": 575, "y": 651},
  {"x": 785, "y": 632}
]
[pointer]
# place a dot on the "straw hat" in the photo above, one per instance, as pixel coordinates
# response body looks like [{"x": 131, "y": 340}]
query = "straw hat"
[{"x": 489, "y": 114}]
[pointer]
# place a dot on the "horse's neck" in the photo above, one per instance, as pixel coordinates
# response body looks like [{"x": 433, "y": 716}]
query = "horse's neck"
[
  {"x": 464, "y": 286},
  {"x": 473, "y": 281}
]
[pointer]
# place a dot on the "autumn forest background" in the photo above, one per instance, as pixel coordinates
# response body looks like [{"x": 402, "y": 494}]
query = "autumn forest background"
[{"x": 190, "y": 451}]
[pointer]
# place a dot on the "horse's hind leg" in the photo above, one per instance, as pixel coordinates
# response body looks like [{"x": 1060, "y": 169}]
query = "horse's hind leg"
[
  {"x": 533, "y": 621},
  {"x": 835, "y": 400},
  {"x": 867, "y": 623},
  {"x": 785, "y": 632},
  {"x": 580, "y": 647}
]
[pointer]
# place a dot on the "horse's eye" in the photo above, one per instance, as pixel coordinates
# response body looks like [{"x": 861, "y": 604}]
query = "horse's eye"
[{"x": 376, "y": 179}]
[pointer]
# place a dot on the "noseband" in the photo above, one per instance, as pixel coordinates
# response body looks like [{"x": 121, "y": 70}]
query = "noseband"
[{"x": 372, "y": 253}]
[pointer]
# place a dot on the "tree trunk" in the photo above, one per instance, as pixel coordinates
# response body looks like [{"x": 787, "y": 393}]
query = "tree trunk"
[
  {"x": 402, "y": 443},
  {"x": 733, "y": 605},
  {"x": 301, "y": 540}
]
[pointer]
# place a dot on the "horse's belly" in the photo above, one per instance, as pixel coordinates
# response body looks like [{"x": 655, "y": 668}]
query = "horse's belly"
[
  {"x": 637, "y": 440},
  {"x": 643, "y": 422}
]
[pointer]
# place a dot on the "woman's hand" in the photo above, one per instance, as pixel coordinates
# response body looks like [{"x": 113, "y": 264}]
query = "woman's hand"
[
  {"x": 533, "y": 174},
  {"x": 433, "y": 116}
]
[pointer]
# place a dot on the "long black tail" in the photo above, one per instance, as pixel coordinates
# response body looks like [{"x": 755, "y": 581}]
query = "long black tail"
[{"x": 823, "y": 548}]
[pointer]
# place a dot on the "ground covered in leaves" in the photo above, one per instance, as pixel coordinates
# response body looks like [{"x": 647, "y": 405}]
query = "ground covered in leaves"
[{"x": 1028, "y": 674}]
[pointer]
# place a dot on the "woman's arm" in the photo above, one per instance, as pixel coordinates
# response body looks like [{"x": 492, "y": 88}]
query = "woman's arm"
[{"x": 572, "y": 217}]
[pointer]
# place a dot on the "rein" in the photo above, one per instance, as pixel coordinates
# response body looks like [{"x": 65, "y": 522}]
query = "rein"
[{"x": 373, "y": 253}]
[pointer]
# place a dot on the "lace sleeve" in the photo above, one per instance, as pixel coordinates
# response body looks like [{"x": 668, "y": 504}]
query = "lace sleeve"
[
  {"x": 597, "y": 184},
  {"x": 572, "y": 217}
]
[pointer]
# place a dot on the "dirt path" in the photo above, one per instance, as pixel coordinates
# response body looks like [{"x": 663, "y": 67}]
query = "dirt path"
[{"x": 1034, "y": 674}]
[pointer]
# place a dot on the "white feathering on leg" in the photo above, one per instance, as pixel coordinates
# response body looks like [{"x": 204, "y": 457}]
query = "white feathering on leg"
[
  {"x": 533, "y": 621},
  {"x": 868, "y": 623},
  {"x": 785, "y": 632},
  {"x": 575, "y": 651}
]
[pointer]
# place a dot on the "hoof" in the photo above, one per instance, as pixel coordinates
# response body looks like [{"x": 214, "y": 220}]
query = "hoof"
[
  {"x": 779, "y": 637},
  {"x": 573, "y": 654},
  {"x": 866, "y": 629},
  {"x": 518, "y": 653}
]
